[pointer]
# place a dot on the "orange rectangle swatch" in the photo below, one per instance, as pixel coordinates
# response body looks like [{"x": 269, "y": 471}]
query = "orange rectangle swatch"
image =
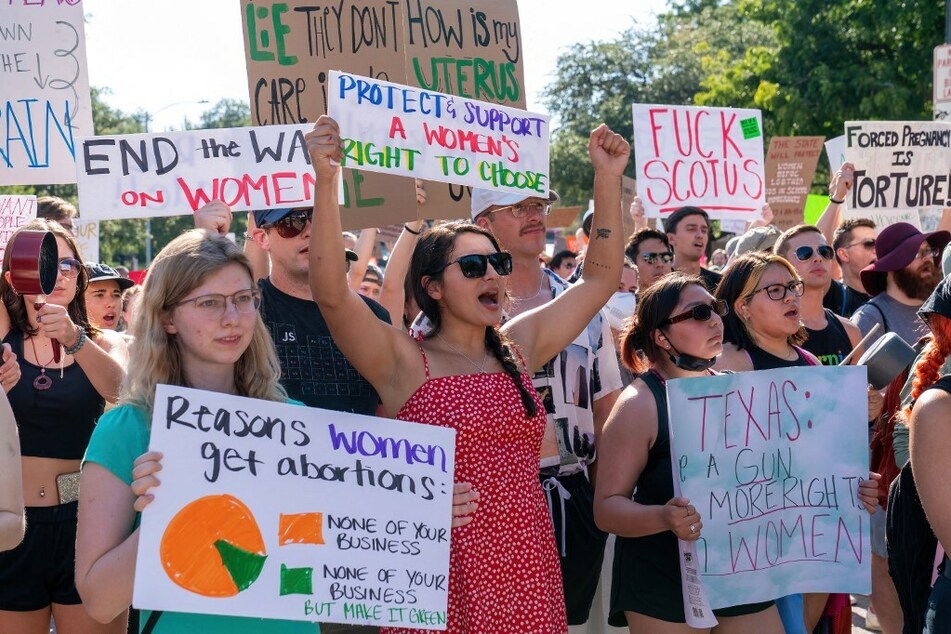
[{"x": 301, "y": 528}]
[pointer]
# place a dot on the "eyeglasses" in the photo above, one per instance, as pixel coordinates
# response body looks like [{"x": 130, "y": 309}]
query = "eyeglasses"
[
  {"x": 700, "y": 312},
  {"x": 69, "y": 267},
  {"x": 291, "y": 225},
  {"x": 475, "y": 265},
  {"x": 666, "y": 257},
  {"x": 824, "y": 250},
  {"x": 213, "y": 306},
  {"x": 868, "y": 244},
  {"x": 927, "y": 253},
  {"x": 777, "y": 292},
  {"x": 523, "y": 209}
]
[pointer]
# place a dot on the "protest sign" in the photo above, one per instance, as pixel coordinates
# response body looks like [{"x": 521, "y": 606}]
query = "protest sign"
[
  {"x": 562, "y": 217},
  {"x": 942, "y": 82},
  {"x": 706, "y": 157},
  {"x": 790, "y": 165},
  {"x": 901, "y": 167},
  {"x": 291, "y": 48},
  {"x": 175, "y": 173},
  {"x": 396, "y": 129},
  {"x": 45, "y": 105},
  {"x": 277, "y": 511},
  {"x": 15, "y": 211},
  {"x": 86, "y": 233},
  {"x": 772, "y": 461}
]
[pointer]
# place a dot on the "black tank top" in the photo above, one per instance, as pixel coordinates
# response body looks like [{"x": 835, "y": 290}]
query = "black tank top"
[
  {"x": 832, "y": 343},
  {"x": 655, "y": 484},
  {"x": 58, "y": 422},
  {"x": 763, "y": 360}
]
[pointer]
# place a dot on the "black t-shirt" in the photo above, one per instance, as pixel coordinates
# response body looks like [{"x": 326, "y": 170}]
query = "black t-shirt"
[
  {"x": 313, "y": 370},
  {"x": 831, "y": 344},
  {"x": 843, "y": 300}
]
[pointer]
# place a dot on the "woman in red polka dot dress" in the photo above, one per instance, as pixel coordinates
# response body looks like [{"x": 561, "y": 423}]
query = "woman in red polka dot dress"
[{"x": 472, "y": 376}]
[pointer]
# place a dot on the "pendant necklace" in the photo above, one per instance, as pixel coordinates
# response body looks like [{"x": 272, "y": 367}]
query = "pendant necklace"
[
  {"x": 480, "y": 368},
  {"x": 42, "y": 382}
]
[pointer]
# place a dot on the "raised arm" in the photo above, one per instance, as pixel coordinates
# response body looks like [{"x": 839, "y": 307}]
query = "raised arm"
[
  {"x": 374, "y": 348},
  {"x": 839, "y": 188},
  {"x": 364, "y": 250},
  {"x": 11, "y": 483},
  {"x": 393, "y": 293},
  {"x": 604, "y": 257}
]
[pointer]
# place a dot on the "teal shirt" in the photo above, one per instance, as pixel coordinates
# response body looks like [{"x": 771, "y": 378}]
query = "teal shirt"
[{"x": 121, "y": 436}]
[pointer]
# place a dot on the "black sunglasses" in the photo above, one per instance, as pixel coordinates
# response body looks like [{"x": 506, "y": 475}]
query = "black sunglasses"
[
  {"x": 868, "y": 243},
  {"x": 666, "y": 257},
  {"x": 291, "y": 225},
  {"x": 701, "y": 312},
  {"x": 475, "y": 265},
  {"x": 824, "y": 251}
]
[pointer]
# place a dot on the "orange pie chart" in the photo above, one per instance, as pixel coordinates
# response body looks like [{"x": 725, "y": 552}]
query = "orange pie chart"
[{"x": 213, "y": 547}]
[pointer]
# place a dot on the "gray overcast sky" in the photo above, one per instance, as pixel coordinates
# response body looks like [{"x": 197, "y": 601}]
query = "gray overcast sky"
[{"x": 151, "y": 55}]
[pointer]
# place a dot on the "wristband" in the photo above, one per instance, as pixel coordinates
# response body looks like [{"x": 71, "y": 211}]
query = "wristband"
[
  {"x": 73, "y": 349},
  {"x": 415, "y": 233},
  {"x": 837, "y": 202}
]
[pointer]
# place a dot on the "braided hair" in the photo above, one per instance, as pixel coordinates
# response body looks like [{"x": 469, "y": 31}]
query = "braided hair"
[
  {"x": 432, "y": 253},
  {"x": 928, "y": 369}
]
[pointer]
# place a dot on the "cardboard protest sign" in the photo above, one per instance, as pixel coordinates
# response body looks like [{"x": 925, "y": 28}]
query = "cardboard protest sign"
[
  {"x": 772, "y": 461},
  {"x": 86, "y": 233},
  {"x": 15, "y": 211},
  {"x": 291, "y": 48},
  {"x": 942, "y": 82},
  {"x": 561, "y": 217},
  {"x": 277, "y": 511},
  {"x": 45, "y": 104},
  {"x": 175, "y": 173},
  {"x": 790, "y": 165},
  {"x": 705, "y": 157},
  {"x": 396, "y": 129},
  {"x": 901, "y": 167},
  {"x": 471, "y": 49}
]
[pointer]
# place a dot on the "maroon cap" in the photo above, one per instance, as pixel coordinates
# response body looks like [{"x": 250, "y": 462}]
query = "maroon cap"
[{"x": 895, "y": 248}]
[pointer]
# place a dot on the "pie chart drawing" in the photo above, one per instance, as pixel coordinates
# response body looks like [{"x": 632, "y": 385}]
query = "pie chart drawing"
[{"x": 213, "y": 547}]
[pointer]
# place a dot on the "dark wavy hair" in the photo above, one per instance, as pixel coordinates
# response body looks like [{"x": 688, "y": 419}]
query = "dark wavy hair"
[
  {"x": 429, "y": 261},
  {"x": 14, "y": 301},
  {"x": 654, "y": 306}
]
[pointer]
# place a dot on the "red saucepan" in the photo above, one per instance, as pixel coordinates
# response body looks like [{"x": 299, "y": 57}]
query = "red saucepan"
[{"x": 34, "y": 265}]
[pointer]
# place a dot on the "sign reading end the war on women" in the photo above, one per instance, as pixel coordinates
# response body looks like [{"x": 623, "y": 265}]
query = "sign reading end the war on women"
[
  {"x": 278, "y": 511},
  {"x": 705, "y": 157},
  {"x": 44, "y": 104},
  {"x": 772, "y": 461},
  {"x": 175, "y": 173},
  {"x": 901, "y": 167},
  {"x": 408, "y": 131}
]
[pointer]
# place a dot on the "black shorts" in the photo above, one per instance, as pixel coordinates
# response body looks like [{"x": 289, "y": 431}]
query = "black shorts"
[
  {"x": 40, "y": 570},
  {"x": 580, "y": 545}
]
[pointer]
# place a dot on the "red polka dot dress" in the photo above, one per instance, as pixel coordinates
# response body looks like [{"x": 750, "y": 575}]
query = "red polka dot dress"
[{"x": 504, "y": 574}]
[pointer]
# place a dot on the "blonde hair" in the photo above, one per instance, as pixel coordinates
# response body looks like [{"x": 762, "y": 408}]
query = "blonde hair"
[{"x": 178, "y": 269}]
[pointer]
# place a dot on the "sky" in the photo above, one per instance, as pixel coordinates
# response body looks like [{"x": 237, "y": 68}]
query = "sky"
[{"x": 164, "y": 57}]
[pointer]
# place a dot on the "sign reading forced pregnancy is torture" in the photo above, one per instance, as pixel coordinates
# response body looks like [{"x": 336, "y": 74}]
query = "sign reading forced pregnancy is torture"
[
  {"x": 772, "y": 461},
  {"x": 279, "y": 511},
  {"x": 396, "y": 129}
]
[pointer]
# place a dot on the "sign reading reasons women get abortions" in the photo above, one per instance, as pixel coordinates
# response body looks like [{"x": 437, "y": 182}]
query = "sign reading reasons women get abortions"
[
  {"x": 705, "y": 157},
  {"x": 408, "y": 131},
  {"x": 44, "y": 103},
  {"x": 772, "y": 461},
  {"x": 279, "y": 511},
  {"x": 174, "y": 173}
]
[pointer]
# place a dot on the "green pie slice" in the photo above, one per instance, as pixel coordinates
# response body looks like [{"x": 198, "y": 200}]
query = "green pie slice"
[{"x": 243, "y": 566}]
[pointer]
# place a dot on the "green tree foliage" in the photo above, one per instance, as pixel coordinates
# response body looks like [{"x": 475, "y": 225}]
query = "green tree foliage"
[{"x": 810, "y": 65}]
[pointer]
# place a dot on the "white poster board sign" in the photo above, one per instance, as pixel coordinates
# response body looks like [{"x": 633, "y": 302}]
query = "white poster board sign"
[
  {"x": 942, "y": 82},
  {"x": 410, "y": 131},
  {"x": 175, "y": 173},
  {"x": 279, "y": 511},
  {"x": 901, "y": 168},
  {"x": 44, "y": 104},
  {"x": 15, "y": 211},
  {"x": 86, "y": 233},
  {"x": 772, "y": 460},
  {"x": 705, "y": 157}
]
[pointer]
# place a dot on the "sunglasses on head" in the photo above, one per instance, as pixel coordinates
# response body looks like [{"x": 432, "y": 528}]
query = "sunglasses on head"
[
  {"x": 475, "y": 265},
  {"x": 804, "y": 253},
  {"x": 701, "y": 312},
  {"x": 291, "y": 225},
  {"x": 651, "y": 258}
]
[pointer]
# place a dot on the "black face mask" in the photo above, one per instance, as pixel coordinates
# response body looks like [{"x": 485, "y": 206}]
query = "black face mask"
[{"x": 689, "y": 362}]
